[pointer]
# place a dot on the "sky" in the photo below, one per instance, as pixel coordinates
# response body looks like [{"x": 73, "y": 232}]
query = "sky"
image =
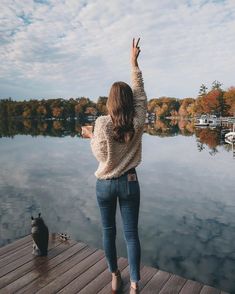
[{"x": 71, "y": 48}]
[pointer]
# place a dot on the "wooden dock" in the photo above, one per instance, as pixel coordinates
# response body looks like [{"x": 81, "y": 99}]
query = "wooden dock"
[{"x": 74, "y": 267}]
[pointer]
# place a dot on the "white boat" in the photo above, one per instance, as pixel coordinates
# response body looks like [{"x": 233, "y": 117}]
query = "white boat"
[
  {"x": 213, "y": 121},
  {"x": 207, "y": 120},
  {"x": 230, "y": 136},
  {"x": 202, "y": 121}
]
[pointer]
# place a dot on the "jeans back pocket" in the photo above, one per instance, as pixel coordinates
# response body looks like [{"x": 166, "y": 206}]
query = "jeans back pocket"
[{"x": 132, "y": 184}]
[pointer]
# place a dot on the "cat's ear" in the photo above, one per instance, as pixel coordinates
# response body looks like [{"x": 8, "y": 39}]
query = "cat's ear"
[
  {"x": 39, "y": 215},
  {"x": 32, "y": 217}
]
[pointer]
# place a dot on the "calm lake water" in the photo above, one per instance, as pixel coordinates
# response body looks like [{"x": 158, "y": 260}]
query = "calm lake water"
[{"x": 187, "y": 210}]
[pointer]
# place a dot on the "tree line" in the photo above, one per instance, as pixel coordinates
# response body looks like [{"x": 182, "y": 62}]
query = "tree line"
[
  {"x": 209, "y": 101},
  {"x": 213, "y": 101},
  {"x": 51, "y": 108}
]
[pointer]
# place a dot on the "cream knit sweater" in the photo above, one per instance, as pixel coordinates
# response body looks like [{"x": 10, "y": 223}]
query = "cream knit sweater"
[{"x": 115, "y": 158}]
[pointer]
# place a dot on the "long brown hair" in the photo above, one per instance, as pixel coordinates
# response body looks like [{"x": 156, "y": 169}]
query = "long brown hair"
[{"x": 120, "y": 105}]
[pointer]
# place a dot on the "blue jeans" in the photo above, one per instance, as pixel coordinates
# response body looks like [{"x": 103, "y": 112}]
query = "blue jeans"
[{"x": 128, "y": 193}]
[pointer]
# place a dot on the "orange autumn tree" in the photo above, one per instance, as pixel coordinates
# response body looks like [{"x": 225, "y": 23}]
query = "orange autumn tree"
[
  {"x": 81, "y": 105},
  {"x": 90, "y": 110},
  {"x": 229, "y": 100},
  {"x": 164, "y": 106},
  {"x": 41, "y": 110},
  {"x": 187, "y": 107},
  {"x": 211, "y": 102},
  {"x": 101, "y": 104},
  {"x": 57, "y": 111}
]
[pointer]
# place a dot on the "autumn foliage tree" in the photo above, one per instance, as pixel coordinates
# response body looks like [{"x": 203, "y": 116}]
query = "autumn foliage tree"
[
  {"x": 187, "y": 107},
  {"x": 101, "y": 104},
  {"x": 41, "y": 110},
  {"x": 164, "y": 106},
  {"x": 90, "y": 110},
  {"x": 26, "y": 113},
  {"x": 82, "y": 104},
  {"x": 210, "y": 103},
  {"x": 57, "y": 111},
  {"x": 229, "y": 99}
]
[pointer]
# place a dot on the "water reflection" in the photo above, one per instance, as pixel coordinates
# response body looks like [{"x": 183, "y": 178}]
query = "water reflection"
[
  {"x": 212, "y": 137},
  {"x": 187, "y": 216}
]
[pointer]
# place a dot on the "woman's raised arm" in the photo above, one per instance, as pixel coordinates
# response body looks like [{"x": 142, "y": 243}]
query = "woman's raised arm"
[{"x": 137, "y": 84}]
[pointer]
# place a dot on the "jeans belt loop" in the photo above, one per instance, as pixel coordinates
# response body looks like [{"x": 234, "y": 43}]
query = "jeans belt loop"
[{"x": 131, "y": 170}]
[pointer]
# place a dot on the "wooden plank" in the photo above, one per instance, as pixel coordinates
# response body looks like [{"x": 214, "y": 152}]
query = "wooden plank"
[
  {"x": 54, "y": 273},
  {"x": 40, "y": 269},
  {"x": 76, "y": 285},
  {"x": 103, "y": 279},
  {"x": 73, "y": 267},
  {"x": 53, "y": 242},
  {"x": 146, "y": 273},
  {"x": 14, "y": 245},
  {"x": 191, "y": 287},
  {"x": 10, "y": 257},
  {"x": 64, "y": 279},
  {"x": 33, "y": 263},
  {"x": 209, "y": 290},
  {"x": 156, "y": 283},
  {"x": 173, "y": 285},
  {"x": 21, "y": 246}
]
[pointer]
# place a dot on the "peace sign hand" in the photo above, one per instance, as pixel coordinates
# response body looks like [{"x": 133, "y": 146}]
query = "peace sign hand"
[{"x": 135, "y": 51}]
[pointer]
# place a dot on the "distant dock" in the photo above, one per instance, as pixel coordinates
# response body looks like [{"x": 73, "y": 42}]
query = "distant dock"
[{"x": 74, "y": 267}]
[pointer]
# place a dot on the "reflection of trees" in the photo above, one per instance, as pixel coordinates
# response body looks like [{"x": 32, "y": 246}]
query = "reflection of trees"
[
  {"x": 200, "y": 146},
  {"x": 209, "y": 137},
  {"x": 161, "y": 128},
  {"x": 59, "y": 127},
  {"x": 42, "y": 126},
  {"x": 55, "y": 128},
  {"x": 27, "y": 124},
  {"x": 172, "y": 127},
  {"x": 186, "y": 127},
  {"x": 227, "y": 147},
  {"x": 213, "y": 151}
]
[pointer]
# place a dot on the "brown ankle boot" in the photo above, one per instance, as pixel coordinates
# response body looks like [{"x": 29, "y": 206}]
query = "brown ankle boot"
[
  {"x": 116, "y": 282},
  {"x": 134, "y": 291}
]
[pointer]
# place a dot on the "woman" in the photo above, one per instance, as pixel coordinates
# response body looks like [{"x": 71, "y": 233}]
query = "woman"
[{"x": 116, "y": 144}]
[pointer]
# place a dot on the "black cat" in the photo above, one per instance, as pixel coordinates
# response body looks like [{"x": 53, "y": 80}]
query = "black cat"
[{"x": 40, "y": 235}]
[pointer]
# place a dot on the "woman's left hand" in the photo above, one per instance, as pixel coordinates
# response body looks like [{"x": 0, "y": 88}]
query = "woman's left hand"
[
  {"x": 135, "y": 51},
  {"x": 87, "y": 131}
]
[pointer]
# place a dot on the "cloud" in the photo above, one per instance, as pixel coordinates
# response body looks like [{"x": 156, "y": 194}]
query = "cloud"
[{"x": 79, "y": 48}]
